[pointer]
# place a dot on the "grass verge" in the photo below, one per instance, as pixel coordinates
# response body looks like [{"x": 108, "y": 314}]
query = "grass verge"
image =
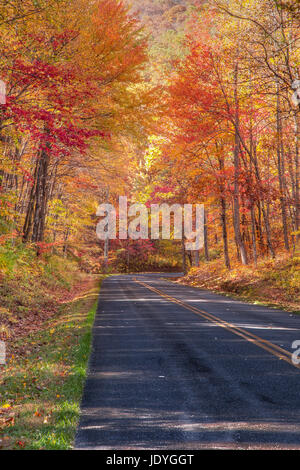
[{"x": 41, "y": 389}]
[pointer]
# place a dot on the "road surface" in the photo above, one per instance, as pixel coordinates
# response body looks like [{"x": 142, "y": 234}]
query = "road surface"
[{"x": 174, "y": 367}]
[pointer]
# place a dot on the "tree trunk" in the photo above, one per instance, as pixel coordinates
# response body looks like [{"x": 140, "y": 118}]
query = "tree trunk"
[
  {"x": 41, "y": 199},
  {"x": 197, "y": 259},
  {"x": 268, "y": 230},
  {"x": 223, "y": 217},
  {"x": 236, "y": 197},
  {"x": 206, "y": 249},
  {"x": 297, "y": 176},
  {"x": 38, "y": 200},
  {"x": 280, "y": 167},
  {"x": 30, "y": 207},
  {"x": 183, "y": 256},
  {"x": 253, "y": 233}
]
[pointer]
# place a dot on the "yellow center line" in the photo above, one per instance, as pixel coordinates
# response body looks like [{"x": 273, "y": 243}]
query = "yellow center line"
[{"x": 277, "y": 351}]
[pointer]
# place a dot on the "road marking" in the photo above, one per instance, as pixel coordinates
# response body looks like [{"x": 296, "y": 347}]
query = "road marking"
[{"x": 277, "y": 351}]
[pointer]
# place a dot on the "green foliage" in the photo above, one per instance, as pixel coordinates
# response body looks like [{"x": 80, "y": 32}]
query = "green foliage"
[
  {"x": 30, "y": 285},
  {"x": 15, "y": 257},
  {"x": 59, "y": 271},
  {"x": 169, "y": 46},
  {"x": 19, "y": 261}
]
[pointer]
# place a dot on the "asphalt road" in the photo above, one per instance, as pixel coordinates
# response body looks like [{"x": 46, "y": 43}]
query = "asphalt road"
[{"x": 174, "y": 367}]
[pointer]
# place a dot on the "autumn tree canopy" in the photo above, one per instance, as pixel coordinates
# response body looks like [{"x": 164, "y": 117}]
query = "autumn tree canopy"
[{"x": 169, "y": 101}]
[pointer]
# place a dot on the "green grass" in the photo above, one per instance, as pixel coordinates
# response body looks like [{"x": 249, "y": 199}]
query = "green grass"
[{"x": 43, "y": 382}]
